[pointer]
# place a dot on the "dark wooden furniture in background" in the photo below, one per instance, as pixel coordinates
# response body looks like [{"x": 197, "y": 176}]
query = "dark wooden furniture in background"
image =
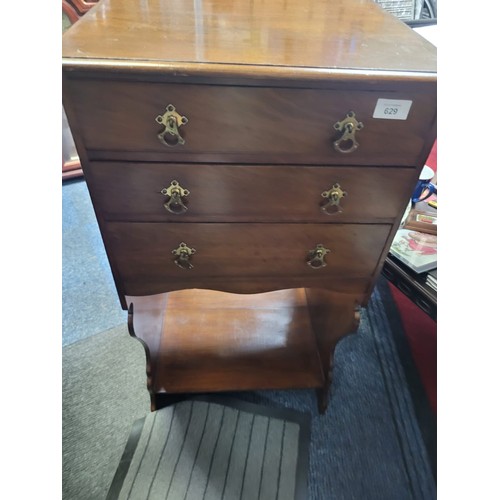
[
  {"x": 70, "y": 12},
  {"x": 245, "y": 211},
  {"x": 75, "y": 9},
  {"x": 412, "y": 284},
  {"x": 71, "y": 168}
]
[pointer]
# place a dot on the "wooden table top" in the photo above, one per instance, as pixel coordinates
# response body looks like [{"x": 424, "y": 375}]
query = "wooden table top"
[{"x": 353, "y": 35}]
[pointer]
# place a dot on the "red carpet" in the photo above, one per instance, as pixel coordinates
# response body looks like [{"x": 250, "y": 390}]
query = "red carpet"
[
  {"x": 421, "y": 334},
  {"x": 420, "y": 330}
]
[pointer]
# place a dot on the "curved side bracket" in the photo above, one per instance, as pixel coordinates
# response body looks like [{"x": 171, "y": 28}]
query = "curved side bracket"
[
  {"x": 149, "y": 365},
  {"x": 333, "y": 317}
]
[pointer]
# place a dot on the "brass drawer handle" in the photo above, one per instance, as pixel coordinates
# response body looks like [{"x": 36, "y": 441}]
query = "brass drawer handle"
[
  {"x": 331, "y": 204},
  {"x": 348, "y": 127},
  {"x": 183, "y": 256},
  {"x": 171, "y": 120},
  {"x": 316, "y": 257},
  {"x": 175, "y": 194}
]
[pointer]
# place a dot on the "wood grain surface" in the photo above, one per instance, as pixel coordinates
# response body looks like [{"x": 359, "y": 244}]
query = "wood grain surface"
[
  {"x": 241, "y": 193},
  {"x": 143, "y": 253},
  {"x": 219, "y": 341},
  {"x": 294, "y": 125},
  {"x": 355, "y": 34},
  {"x": 262, "y": 84}
]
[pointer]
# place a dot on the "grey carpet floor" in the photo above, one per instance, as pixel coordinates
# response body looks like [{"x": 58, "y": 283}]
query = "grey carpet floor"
[
  {"x": 104, "y": 392},
  {"x": 90, "y": 303}
]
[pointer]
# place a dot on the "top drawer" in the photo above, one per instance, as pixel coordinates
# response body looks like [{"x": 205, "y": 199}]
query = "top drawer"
[{"x": 118, "y": 120}]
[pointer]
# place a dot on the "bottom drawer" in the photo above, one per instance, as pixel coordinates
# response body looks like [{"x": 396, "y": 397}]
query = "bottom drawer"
[{"x": 144, "y": 254}]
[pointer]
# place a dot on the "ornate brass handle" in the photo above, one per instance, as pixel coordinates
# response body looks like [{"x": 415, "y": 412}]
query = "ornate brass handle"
[
  {"x": 183, "y": 256},
  {"x": 316, "y": 257},
  {"x": 348, "y": 126},
  {"x": 174, "y": 193},
  {"x": 331, "y": 205},
  {"x": 171, "y": 120}
]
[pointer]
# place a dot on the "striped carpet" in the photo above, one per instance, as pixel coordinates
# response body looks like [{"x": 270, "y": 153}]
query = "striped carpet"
[{"x": 202, "y": 450}]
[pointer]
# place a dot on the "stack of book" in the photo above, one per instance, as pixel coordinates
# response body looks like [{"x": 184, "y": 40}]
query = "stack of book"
[
  {"x": 415, "y": 243},
  {"x": 415, "y": 249},
  {"x": 432, "y": 279},
  {"x": 422, "y": 220}
]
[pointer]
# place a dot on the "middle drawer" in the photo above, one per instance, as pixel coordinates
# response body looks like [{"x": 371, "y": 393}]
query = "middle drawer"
[{"x": 236, "y": 193}]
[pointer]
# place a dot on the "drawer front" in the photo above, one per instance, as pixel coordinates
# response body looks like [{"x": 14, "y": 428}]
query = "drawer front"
[
  {"x": 143, "y": 253},
  {"x": 133, "y": 192},
  {"x": 277, "y": 125}
]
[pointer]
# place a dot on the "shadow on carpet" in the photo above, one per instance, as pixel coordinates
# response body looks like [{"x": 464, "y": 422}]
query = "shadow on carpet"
[{"x": 213, "y": 447}]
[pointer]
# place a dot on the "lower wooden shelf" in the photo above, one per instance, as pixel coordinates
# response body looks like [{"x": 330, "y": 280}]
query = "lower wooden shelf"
[{"x": 211, "y": 341}]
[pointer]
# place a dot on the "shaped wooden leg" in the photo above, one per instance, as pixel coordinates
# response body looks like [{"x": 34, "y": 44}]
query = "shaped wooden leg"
[
  {"x": 333, "y": 316},
  {"x": 147, "y": 323}
]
